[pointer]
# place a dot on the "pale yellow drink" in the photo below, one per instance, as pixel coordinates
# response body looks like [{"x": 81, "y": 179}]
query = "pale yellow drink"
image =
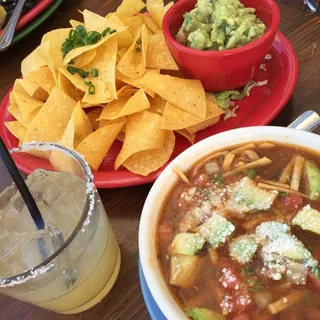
[{"x": 84, "y": 270}]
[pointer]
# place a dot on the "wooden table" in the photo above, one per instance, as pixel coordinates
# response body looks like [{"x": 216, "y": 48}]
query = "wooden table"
[{"x": 124, "y": 206}]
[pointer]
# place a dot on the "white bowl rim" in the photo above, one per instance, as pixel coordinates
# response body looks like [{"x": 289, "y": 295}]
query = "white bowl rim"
[{"x": 148, "y": 220}]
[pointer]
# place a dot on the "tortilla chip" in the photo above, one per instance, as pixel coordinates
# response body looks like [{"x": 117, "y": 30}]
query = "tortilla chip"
[
  {"x": 138, "y": 102},
  {"x": 51, "y": 121},
  {"x": 44, "y": 78},
  {"x": 75, "y": 23},
  {"x": 101, "y": 95},
  {"x": 137, "y": 82},
  {"x": 32, "y": 62},
  {"x": 103, "y": 123},
  {"x": 95, "y": 147},
  {"x": 93, "y": 117},
  {"x": 186, "y": 94},
  {"x": 156, "y": 9},
  {"x": 33, "y": 89},
  {"x": 133, "y": 63},
  {"x": 27, "y": 105},
  {"x": 78, "y": 128},
  {"x": 129, "y": 8},
  {"x": 75, "y": 79},
  {"x": 121, "y": 136},
  {"x": 167, "y": 7},
  {"x": 125, "y": 38},
  {"x": 134, "y": 23},
  {"x": 17, "y": 129},
  {"x": 93, "y": 21},
  {"x": 147, "y": 161},
  {"x": 187, "y": 135},
  {"x": 16, "y": 113},
  {"x": 158, "y": 54},
  {"x": 142, "y": 133},
  {"x": 157, "y": 104},
  {"x": 51, "y": 49},
  {"x": 105, "y": 63},
  {"x": 150, "y": 23},
  {"x": 213, "y": 115},
  {"x": 84, "y": 59},
  {"x": 67, "y": 87}
]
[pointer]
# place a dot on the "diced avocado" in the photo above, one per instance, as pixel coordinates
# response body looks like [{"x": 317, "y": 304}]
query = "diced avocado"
[
  {"x": 183, "y": 270},
  {"x": 308, "y": 219},
  {"x": 186, "y": 243},
  {"x": 203, "y": 314},
  {"x": 286, "y": 246},
  {"x": 296, "y": 273},
  {"x": 243, "y": 248},
  {"x": 312, "y": 179},
  {"x": 216, "y": 230},
  {"x": 246, "y": 196},
  {"x": 271, "y": 230}
]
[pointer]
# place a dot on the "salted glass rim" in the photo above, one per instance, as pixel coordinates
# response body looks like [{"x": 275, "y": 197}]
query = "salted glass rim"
[{"x": 83, "y": 221}]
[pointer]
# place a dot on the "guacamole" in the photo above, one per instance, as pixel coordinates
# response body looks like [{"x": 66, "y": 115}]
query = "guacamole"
[{"x": 220, "y": 25}]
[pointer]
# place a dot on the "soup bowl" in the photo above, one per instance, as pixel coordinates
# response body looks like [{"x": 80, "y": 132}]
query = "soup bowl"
[{"x": 162, "y": 187}]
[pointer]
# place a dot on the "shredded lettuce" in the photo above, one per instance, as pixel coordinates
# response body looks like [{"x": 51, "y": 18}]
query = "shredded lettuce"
[{"x": 225, "y": 99}]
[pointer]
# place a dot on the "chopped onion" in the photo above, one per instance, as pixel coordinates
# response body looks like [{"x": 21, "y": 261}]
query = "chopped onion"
[{"x": 212, "y": 167}]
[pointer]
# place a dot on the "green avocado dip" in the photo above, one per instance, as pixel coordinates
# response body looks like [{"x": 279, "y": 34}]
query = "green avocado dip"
[{"x": 220, "y": 25}]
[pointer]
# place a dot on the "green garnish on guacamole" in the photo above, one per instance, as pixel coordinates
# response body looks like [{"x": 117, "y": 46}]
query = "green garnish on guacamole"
[{"x": 220, "y": 25}]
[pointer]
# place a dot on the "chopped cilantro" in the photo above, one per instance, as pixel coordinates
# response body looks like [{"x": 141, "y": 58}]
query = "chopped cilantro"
[
  {"x": 138, "y": 49},
  {"x": 139, "y": 41},
  {"x": 218, "y": 178},
  {"x": 251, "y": 173},
  {"x": 248, "y": 271},
  {"x": 282, "y": 193}
]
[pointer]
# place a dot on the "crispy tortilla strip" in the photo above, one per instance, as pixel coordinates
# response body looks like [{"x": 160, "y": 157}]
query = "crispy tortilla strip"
[
  {"x": 150, "y": 23},
  {"x": 134, "y": 23}
]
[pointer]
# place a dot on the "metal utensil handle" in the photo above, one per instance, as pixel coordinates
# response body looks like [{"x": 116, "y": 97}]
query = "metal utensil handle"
[
  {"x": 308, "y": 121},
  {"x": 315, "y": 8},
  {"x": 8, "y": 32}
]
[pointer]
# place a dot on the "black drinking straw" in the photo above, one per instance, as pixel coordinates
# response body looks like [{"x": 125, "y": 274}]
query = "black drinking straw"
[{"x": 21, "y": 185}]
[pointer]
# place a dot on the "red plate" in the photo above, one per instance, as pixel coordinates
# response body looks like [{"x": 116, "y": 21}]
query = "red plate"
[
  {"x": 260, "y": 108},
  {"x": 34, "y": 12}
]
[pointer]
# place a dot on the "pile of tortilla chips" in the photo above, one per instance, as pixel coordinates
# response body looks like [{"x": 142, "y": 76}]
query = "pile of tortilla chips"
[{"x": 134, "y": 99}]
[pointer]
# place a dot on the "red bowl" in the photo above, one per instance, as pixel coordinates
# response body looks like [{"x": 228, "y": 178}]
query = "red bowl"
[{"x": 227, "y": 69}]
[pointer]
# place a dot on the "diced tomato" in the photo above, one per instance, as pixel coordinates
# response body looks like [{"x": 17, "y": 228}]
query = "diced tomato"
[
  {"x": 243, "y": 299},
  {"x": 229, "y": 279},
  {"x": 238, "y": 300},
  {"x": 242, "y": 316},
  {"x": 200, "y": 180},
  {"x": 292, "y": 201},
  {"x": 165, "y": 233},
  {"x": 184, "y": 198}
]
